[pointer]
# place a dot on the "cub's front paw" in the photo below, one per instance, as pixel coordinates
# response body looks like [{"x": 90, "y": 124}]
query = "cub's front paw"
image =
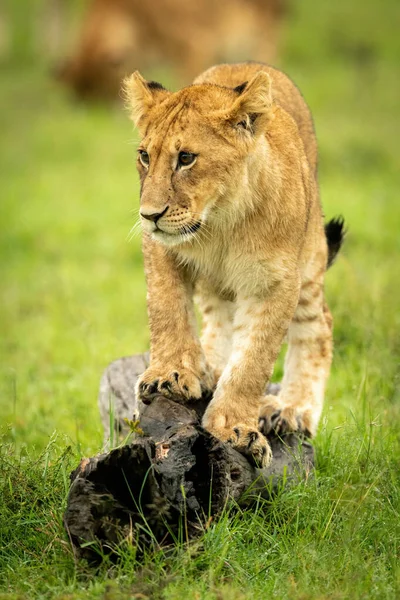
[
  {"x": 244, "y": 438},
  {"x": 278, "y": 418},
  {"x": 180, "y": 383},
  {"x": 252, "y": 444}
]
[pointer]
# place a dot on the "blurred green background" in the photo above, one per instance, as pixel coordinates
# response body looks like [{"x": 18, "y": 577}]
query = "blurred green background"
[{"x": 71, "y": 283}]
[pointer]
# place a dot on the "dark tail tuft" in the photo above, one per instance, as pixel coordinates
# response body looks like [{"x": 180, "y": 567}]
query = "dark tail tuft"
[{"x": 335, "y": 232}]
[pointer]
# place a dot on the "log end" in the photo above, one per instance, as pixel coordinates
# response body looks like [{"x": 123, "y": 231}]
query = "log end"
[{"x": 173, "y": 478}]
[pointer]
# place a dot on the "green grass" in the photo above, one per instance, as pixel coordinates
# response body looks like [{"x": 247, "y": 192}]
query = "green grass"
[{"x": 73, "y": 299}]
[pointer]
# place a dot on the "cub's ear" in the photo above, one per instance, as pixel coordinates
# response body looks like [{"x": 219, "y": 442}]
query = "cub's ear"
[
  {"x": 141, "y": 96},
  {"x": 252, "y": 108}
]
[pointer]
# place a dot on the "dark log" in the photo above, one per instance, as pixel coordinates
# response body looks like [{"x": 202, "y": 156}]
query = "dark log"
[{"x": 172, "y": 478}]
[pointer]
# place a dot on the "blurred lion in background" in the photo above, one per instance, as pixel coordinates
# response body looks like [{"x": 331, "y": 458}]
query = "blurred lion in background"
[{"x": 119, "y": 36}]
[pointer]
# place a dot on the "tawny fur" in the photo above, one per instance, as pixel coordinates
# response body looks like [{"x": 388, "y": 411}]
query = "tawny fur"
[{"x": 243, "y": 232}]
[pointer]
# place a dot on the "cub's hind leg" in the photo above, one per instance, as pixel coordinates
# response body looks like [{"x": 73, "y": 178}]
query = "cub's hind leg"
[
  {"x": 217, "y": 328},
  {"x": 307, "y": 364}
]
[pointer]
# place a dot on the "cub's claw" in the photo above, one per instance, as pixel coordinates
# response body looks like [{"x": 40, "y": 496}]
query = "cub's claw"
[
  {"x": 287, "y": 419},
  {"x": 182, "y": 385},
  {"x": 252, "y": 444}
]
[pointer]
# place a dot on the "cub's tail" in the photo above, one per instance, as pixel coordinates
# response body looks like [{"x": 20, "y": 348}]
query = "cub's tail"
[{"x": 335, "y": 233}]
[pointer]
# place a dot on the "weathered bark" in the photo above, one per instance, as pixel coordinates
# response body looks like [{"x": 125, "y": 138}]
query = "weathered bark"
[{"x": 170, "y": 479}]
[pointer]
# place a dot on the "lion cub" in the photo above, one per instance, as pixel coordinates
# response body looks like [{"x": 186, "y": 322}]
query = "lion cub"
[{"x": 231, "y": 216}]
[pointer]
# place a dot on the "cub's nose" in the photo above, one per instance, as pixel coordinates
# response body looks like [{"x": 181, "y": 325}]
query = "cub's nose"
[{"x": 150, "y": 215}]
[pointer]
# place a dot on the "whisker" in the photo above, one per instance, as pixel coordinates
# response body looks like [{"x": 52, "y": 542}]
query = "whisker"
[
  {"x": 202, "y": 237},
  {"x": 135, "y": 229},
  {"x": 203, "y": 231}
]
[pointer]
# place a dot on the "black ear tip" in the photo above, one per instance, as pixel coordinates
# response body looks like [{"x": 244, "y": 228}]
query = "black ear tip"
[
  {"x": 240, "y": 88},
  {"x": 154, "y": 85}
]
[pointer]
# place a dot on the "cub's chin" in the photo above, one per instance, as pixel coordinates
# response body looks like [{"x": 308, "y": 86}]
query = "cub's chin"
[{"x": 168, "y": 239}]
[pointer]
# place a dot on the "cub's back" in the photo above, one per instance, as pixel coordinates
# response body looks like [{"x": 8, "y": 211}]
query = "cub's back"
[{"x": 284, "y": 93}]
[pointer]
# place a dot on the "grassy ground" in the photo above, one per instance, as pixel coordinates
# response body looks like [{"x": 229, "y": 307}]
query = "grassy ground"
[{"x": 73, "y": 299}]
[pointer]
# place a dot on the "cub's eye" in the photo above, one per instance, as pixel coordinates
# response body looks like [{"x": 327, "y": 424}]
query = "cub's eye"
[
  {"x": 185, "y": 159},
  {"x": 144, "y": 158}
]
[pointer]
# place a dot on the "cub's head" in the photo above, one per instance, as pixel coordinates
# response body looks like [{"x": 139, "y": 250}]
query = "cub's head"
[{"x": 197, "y": 147}]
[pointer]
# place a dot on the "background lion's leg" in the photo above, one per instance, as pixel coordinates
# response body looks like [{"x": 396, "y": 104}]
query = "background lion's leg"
[
  {"x": 307, "y": 365},
  {"x": 217, "y": 327}
]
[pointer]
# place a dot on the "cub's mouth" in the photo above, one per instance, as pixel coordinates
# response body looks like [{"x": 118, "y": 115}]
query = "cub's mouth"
[
  {"x": 181, "y": 235},
  {"x": 191, "y": 228}
]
